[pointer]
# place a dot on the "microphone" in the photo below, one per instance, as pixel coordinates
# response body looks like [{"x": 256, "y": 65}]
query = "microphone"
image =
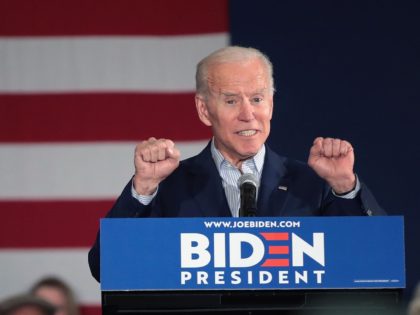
[{"x": 248, "y": 186}]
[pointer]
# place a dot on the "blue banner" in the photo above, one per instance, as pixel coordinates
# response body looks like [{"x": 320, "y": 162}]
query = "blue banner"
[{"x": 252, "y": 253}]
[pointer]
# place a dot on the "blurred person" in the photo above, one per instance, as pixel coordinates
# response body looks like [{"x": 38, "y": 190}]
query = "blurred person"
[
  {"x": 58, "y": 293},
  {"x": 414, "y": 306},
  {"x": 26, "y": 305}
]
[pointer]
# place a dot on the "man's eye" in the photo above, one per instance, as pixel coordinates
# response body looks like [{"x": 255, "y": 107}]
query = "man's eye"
[
  {"x": 257, "y": 100},
  {"x": 231, "y": 102}
]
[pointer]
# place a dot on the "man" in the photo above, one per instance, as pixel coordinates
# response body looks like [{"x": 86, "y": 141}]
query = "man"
[
  {"x": 234, "y": 98},
  {"x": 57, "y": 293}
]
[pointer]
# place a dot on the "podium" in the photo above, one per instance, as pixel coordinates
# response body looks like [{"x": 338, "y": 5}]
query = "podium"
[{"x": 305, "y": 265}]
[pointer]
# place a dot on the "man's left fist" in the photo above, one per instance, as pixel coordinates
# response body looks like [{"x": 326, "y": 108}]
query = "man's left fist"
[{"x": 333, "y": 160}]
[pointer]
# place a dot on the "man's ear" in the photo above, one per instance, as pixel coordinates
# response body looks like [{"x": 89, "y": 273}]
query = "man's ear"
[
  {"x": 271, "y": 108},
  {"x": 202, "y": 110}
]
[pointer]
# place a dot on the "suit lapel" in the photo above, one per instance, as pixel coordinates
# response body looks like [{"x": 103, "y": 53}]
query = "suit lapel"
[
  {"x": 274, "y": 185},
  {"x": 210, "y": 196},
  {"x": 207, "y": 186}
]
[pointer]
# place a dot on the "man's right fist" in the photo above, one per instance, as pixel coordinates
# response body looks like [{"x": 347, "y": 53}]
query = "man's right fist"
[{"x": 154, "y": 160}]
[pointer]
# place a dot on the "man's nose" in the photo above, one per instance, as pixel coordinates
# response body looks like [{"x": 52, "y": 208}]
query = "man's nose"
[{"x": 246, "y": 111}]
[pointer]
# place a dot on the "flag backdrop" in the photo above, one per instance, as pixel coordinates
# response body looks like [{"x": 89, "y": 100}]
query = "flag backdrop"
[{"x": 80, "y": 83}]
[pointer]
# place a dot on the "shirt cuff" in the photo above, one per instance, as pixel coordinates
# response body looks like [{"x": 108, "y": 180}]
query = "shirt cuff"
[
  {"x": 143, "y": 199},
  {"x": 352, "y": 194}
]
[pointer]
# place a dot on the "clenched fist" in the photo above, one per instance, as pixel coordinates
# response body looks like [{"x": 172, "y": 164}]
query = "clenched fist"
[
  {"x": 154, "y": 160},
  {"x": 333, "y": 160}
]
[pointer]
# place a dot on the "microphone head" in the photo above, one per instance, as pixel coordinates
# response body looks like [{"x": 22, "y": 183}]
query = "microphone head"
[{"x": 248, "y": 178}]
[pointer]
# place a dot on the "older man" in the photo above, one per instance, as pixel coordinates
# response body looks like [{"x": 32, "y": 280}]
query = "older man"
[{"x": 235, "y": 99}]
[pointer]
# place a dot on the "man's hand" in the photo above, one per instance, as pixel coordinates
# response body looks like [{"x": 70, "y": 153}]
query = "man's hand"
[
  {"x": 154, "y": 160},
  {"x": 333, "y": 160}
]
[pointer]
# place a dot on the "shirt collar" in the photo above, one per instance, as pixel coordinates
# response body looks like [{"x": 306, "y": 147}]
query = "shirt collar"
[{"x": 257, "y": 159}]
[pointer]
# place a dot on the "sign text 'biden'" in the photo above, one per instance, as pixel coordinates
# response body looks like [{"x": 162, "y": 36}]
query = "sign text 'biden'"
[{"x": 265, "y": 259}]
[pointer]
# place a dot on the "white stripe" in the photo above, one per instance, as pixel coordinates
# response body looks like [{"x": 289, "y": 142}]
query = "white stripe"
[
  {"x": 76, "y": 171},
  {"x": 20, "y": 269},
  {"x": 143, "y": 63}
]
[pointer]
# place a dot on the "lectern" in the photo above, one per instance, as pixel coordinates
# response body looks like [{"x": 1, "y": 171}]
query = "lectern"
[{"x": 305, "y": 265}]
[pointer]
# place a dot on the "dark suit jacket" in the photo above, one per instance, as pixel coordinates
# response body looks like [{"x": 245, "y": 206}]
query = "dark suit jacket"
[{"x": 195, "y": 189}]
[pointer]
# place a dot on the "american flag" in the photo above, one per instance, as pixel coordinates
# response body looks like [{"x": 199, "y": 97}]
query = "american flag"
[{"x": 81, "y": 82}]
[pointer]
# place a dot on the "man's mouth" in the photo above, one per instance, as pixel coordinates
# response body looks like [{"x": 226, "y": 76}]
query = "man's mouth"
[{"x": 247, "y": 133}]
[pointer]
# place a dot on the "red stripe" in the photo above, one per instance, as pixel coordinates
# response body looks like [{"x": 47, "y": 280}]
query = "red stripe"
[
  {"x": 276, "y": 263},
  {"x": 284, "y": 236},
  {"x": 27, "y": 224},
  {"x": 110, "y": 17},
  {"x": 90, "y": 310},
  {"x": 273, "y": 250},
  {"x": 99, "y": 117}
]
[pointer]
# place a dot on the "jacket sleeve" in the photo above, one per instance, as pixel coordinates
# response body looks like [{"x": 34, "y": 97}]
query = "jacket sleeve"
[
  {"x": 369, "y": 204},
  {"x": 125, "y": 207},
  {"x": 363, "y": 204}
]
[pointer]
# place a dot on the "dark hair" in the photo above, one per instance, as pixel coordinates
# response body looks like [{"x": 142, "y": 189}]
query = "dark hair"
[{"x": 14, "y": 303}]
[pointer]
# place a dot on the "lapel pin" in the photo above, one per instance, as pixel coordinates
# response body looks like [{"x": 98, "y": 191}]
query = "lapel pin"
[{"x": 283, "y": 188}]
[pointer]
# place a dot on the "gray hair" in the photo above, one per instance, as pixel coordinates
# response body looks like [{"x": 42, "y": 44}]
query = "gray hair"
[{"x": 227, "y": 55}]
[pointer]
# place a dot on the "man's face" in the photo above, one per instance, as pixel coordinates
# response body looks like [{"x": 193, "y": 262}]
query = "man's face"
[
  {"x": 54, "y": 296},
  {"x": 238, "y": 108}
]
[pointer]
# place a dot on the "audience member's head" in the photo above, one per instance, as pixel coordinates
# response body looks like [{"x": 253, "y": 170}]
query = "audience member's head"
[
  {"x": 26, "y": 305},
  {"x": 58, "y": 293},
  {"x": 414, "y": 306}
]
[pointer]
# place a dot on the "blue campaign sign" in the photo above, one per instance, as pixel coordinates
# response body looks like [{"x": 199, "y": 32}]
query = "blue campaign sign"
[{"x": 252, "y": 253}]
